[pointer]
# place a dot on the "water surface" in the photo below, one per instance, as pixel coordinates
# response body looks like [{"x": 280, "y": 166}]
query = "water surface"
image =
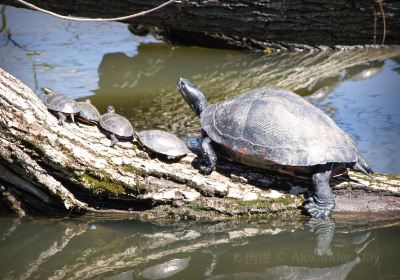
[{"x": 122, "y": 249}]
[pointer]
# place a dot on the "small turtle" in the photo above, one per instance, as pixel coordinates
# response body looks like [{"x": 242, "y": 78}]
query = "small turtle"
[
  {"x": 276, "y": 129},
  {"x": 116, "y": 126},
  {"x": 163, "y": 143},
  {"x": 88, "y": 114},
  {"x": 60, "y": 104}
]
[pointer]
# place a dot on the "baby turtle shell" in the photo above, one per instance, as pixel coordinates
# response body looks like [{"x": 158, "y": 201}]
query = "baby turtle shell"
[
  {"x": 163, "y": 143},
  {"x": 88, "y": 112},
  {"x": 116, "y": 125},
  {"x": 60, "y": 104}
]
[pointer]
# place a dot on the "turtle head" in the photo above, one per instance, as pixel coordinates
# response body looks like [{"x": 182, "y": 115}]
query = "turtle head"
[
  {"x": 47, "y": 90},
  {"x": 193, "y": 95},
  {"x": 88, "y": 101},
  {"x": 110, "y": 109}
]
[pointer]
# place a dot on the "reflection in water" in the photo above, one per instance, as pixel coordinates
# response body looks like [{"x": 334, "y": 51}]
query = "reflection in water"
[
  {"x": 166, "y": 269},
  {"x": 109, "y": 249},
  {"x": 363, "y": 71},
  {"x": 143, "y": 87}
]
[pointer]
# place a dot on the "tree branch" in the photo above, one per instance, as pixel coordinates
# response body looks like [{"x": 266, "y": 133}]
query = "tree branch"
[{"x": 140, "y": 14}]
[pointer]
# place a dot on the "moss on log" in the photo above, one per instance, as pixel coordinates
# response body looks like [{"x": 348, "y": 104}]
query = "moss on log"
[{"x": 71, "y": 169}]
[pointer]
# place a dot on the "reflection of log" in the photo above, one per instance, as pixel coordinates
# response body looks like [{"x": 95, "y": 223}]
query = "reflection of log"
[
  {"x": 250, "y": 24},
  {"x": 105, "y": 248},
  {"x": 55, "y": 169},
  {"x": 148, "y": 78}
]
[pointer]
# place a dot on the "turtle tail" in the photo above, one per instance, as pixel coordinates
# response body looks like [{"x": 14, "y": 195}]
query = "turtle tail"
[{"x": 362, "y": 166}]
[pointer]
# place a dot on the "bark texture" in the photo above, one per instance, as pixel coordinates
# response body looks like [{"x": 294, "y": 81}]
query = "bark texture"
[
  {"x": 258, "y": 25},
  {"x": 56, "y": 169}
]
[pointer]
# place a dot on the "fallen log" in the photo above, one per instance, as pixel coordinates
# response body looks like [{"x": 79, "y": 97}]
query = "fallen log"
[
  {"x": 257, "y": 25},
  {"x": 56, "y": 169}
]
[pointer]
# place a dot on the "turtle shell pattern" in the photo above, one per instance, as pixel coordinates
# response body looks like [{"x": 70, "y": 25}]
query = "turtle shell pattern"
[
  {"x": 116, "y": 124},
  {"x": 272, "y": 125},
  {"x": 88, "y": 112},
  {"x": 60, "y": 103},
  {"x": 162, "y": 142}
]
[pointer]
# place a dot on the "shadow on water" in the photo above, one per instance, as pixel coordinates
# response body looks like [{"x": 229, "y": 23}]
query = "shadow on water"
[{"x": 122, "y": 249}]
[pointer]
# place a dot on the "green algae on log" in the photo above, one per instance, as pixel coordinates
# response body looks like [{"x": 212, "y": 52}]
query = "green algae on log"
[{"x": 70, "y": 169}]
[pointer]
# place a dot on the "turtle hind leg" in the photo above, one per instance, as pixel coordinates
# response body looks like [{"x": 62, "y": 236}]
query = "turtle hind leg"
[
  {"x": 322, "y": 202},
  {"x": 61, "y": 118},
  {"x": 209, "y": 158},
  {"x": 114, "y": 140}
]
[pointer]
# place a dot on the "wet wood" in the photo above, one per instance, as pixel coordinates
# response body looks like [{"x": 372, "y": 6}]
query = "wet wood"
[
  {"x": 71, "y": 169},
  {"x": 257, "y": 25}
]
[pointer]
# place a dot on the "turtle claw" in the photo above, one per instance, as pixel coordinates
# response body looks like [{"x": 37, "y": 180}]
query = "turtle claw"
[
  {"x": 61, "y": 118},
  {"x": 206, "y": 170},
  {"x": 318, "y": 211}
]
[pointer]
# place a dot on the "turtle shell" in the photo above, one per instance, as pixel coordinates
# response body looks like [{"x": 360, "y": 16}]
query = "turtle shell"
[
  {"x": 60, "y": 103},
  {"x": 162, "y": 142},
  {"x": 272, "y": 125},
  {"x": 116, "y": 124},
  {"x": 88, "y": 112}
]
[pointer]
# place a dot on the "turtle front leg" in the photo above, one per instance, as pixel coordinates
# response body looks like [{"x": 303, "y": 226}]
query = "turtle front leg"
[
  {"x": 72, "y": 118},
  {"x": 61, "y": 118},
  {"x": 321, "y": 204},
  {"x": 209, "y": 158},
  {"x": 114, "y": 140}
]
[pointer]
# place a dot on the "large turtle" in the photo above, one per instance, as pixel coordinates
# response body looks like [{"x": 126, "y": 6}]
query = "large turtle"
[
  {"x": 60, "y": 105},
  {"x": 163, "y": 143},
  {"x": 88, "y": 114},
  {"x": 116, "y": 126},
  {"x": 276, "y": 129}
]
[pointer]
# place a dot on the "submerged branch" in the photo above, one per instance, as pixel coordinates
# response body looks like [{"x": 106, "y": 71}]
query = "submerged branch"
[{"x": 72, "y": 169}]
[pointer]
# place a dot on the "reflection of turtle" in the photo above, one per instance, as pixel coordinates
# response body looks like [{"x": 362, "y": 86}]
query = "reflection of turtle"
[
  {"x": 284, "y": 272},
  {"x": 275, "y": 129},
  {"x": 116, "y": 126},
  {"x": 88, "y": 114},
  {"x": 60, "y": 104},
  {"x": 324, "y": 230},
  {"x": 163, "y": 143},
  {"x": 166, "y": 269}
]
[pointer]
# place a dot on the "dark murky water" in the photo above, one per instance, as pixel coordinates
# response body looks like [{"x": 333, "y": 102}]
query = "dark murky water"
[
  {"x": 104, "y": 62},
  {"x": 101, "y": 249}
]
